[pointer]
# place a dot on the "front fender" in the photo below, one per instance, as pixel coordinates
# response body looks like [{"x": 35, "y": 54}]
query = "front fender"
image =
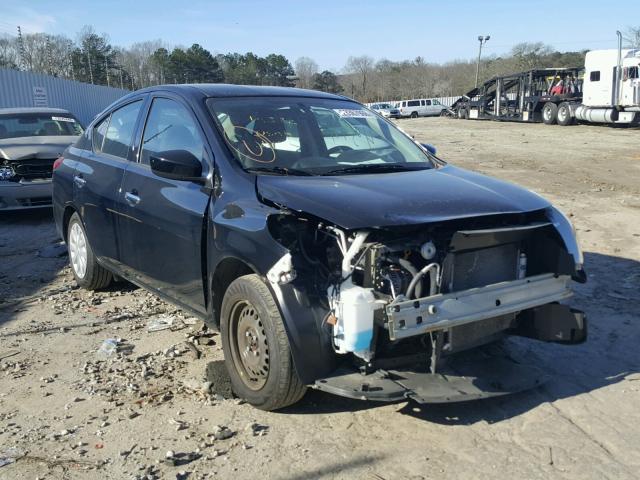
[{"x": 239, "y": 230}]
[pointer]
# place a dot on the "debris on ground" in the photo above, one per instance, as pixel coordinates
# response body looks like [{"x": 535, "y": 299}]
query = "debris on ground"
[
  {"x": 113, "y": 346},
  {"x": 160, "y": 323}
]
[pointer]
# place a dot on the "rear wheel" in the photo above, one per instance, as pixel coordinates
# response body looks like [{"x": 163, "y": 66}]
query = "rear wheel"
[
  {"x": 256, "y": 347},
  {"x": 86, "y": 270},
  {"x": 564, "y": 114},
  {"x": 549, "y": 113}
]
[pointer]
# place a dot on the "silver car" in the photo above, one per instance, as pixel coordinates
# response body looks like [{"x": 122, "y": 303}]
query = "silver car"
[
  {"x": 386, "y": 110},
  {"x": 30, "y": 141}
]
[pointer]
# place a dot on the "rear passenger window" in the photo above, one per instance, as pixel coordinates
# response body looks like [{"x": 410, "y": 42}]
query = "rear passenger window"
[
  {"x": 120, "y": 131},
  {"x": 427, "y": 102},
  {"x": 595, "y": 76},
  {"x": 170, "y": 127},
  {"x": 98, "y": 134}
]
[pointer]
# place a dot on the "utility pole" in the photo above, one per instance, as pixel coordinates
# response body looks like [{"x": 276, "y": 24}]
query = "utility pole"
[
  {"x": 21, "y": 48},
  {"x": 482, "y": 40},
  {"x": 121, "y": 84},
  {"x": 106, "y": 69}
]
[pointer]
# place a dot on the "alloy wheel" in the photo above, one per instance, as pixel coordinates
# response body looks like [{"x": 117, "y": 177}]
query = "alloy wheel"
[{"x": 78, "y": 250}]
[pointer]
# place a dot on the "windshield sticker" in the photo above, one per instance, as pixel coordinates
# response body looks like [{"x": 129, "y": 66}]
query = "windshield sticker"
[
  {"x": 353, "y": 113},
  {"x": 63, "y": 119}
]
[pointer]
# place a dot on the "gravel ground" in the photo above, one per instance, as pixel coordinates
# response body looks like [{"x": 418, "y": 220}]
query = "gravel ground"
[{"x": 146, "y": 411}]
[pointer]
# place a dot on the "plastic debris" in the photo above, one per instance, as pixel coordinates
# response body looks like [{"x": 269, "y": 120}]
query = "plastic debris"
[
  {"x": 112, "y": 346},
  {"x": 9, "y": 456},
  {"x": 160, "y": 323}
]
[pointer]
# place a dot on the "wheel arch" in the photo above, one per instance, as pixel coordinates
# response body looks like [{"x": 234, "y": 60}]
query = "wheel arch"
[
  {"x": 69, "y": 210},
  {"x": 226, "y": 271}
]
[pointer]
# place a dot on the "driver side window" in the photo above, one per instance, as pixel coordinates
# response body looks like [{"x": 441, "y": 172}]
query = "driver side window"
[{"x": 170, "y": 127}]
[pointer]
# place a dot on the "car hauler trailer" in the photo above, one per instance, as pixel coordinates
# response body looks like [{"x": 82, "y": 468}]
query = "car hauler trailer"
[
  {"x": 607, "y": 90},
  {"x": 521, "y": 97}
]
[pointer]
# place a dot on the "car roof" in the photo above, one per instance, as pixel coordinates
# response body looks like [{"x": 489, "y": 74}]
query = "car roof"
[
  {"x": 228, "y": 90},
  {"x": 13, "y": 111}
]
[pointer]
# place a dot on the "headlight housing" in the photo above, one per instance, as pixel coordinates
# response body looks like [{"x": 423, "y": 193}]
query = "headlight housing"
[{"x": 568, "y": 234}]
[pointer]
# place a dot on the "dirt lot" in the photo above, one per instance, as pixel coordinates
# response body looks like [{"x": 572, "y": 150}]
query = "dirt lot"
[{"x": 68, "y": 412}]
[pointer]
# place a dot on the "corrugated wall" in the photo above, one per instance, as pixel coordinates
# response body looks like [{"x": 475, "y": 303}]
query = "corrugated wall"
[{"x": 27, "y": 89}]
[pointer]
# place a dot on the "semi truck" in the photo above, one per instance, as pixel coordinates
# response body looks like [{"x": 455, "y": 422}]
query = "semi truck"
[{"x": 605, "y": 90}]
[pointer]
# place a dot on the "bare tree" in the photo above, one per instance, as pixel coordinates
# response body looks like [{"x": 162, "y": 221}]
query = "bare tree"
[
  {"x": 305, "y": 69},
  {"x": 360, "y": 69},
  {"x": 9, "y": 52},
  {"x": 632, "y": 37}
]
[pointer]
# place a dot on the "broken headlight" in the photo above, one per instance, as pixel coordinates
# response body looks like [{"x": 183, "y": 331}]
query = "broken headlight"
[{"x": 6, "y": 173}]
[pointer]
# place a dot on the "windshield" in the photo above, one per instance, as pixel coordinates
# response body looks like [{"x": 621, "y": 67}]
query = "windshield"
[
  {"x": 309, "y": 136},
  {"x": 38, "y": 125}
]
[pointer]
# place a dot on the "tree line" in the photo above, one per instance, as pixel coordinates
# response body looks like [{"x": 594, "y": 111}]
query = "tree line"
[{"x": 93, "y": 59}]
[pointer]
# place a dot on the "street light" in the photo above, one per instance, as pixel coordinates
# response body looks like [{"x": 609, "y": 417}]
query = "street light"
[{"x": 482, "y": 40}]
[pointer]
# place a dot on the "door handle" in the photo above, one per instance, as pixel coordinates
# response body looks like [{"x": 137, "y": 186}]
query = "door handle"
[
  {"x": 132, "y": 198},
  {"x": 79, "y": 181}
]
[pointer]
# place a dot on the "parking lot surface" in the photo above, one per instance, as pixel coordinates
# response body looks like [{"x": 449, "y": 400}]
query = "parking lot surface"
[{"x": 69, "y": 410}]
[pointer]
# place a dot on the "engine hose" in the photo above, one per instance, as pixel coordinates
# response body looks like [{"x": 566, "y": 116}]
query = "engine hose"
[
  {"x": 408, "y": 266},
  {"x": 433, "y": 276}
]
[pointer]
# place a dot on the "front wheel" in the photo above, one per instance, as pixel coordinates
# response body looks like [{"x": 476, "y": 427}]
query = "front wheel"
[
  {"x": 414, "y": 114},
  {"x": 256, "y": 347},
  {"x": 89, "y": 274}
]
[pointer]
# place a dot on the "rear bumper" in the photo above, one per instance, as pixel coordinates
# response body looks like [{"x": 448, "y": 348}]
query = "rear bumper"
[
  {"x": 25, "y": 195},
  {"x": 416, "y": 317}
]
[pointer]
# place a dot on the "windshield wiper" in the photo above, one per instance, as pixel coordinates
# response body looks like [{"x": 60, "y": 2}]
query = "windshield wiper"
[
  {"x": 375, "y": 167},
  {"x": 278, "y": 171}
]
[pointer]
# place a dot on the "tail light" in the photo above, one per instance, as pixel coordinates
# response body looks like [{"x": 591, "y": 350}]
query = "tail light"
[{"x": 58, "y": 162}]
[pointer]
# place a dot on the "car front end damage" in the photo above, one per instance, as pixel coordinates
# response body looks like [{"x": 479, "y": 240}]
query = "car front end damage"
[
  {"x": 416, "y": 311},
  {"x": 26, "y": 167}
]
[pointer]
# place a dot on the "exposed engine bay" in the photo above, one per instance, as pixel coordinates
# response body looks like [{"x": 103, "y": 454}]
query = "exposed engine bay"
[{"x": 424, "y": 292}]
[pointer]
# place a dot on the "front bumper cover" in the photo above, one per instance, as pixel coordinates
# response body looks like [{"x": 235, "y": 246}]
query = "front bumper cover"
[{"x": 25, "y": 194}]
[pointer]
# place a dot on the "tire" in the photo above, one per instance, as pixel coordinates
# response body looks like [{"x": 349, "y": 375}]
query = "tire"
[
  {"x": 86, "y": 270},
  {"x": 564, "y": 114},
  {"x": 414, "y": 114},
  {"x": 549, "y": 113},
  {"x": 463, "y": 114},
  {"x": 256, "y": 347}
]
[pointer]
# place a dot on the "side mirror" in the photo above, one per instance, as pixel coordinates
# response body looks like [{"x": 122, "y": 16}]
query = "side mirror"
[
  {"x": 429, "y": 148},
  {"x": 177, "y": 165}
]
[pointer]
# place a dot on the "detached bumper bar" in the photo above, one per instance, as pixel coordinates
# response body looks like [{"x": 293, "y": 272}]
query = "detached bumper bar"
[{"x": 417, "y": 317}]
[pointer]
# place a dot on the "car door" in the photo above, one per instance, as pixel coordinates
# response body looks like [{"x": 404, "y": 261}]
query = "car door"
[
  {"x": 428, "y": 108},
  {"x": 161, "y": 231},
  {"x": 98, "y": 175}
]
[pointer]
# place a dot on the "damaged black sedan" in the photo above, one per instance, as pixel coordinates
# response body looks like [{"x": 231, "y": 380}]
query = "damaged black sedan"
[{"x": 329, "y": 248}]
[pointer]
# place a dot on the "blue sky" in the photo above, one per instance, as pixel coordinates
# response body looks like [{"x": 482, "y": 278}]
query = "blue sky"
[{"x": 329, "y": 31}]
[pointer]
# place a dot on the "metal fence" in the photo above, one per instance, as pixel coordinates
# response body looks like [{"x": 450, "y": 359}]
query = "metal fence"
[{"x": 27, "y": 89}]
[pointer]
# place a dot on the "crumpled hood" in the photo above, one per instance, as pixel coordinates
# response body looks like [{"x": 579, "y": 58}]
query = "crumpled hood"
[
  {"x": 398, "y": 198},
  {"x": 34, "y": 147}
]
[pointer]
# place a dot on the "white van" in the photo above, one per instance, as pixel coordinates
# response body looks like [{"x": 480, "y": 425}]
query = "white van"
[{"x": 420, "y": 107}]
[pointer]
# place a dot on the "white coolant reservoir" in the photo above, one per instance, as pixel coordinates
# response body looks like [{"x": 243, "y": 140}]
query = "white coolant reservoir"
[{"x": 354, "y": 312}]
